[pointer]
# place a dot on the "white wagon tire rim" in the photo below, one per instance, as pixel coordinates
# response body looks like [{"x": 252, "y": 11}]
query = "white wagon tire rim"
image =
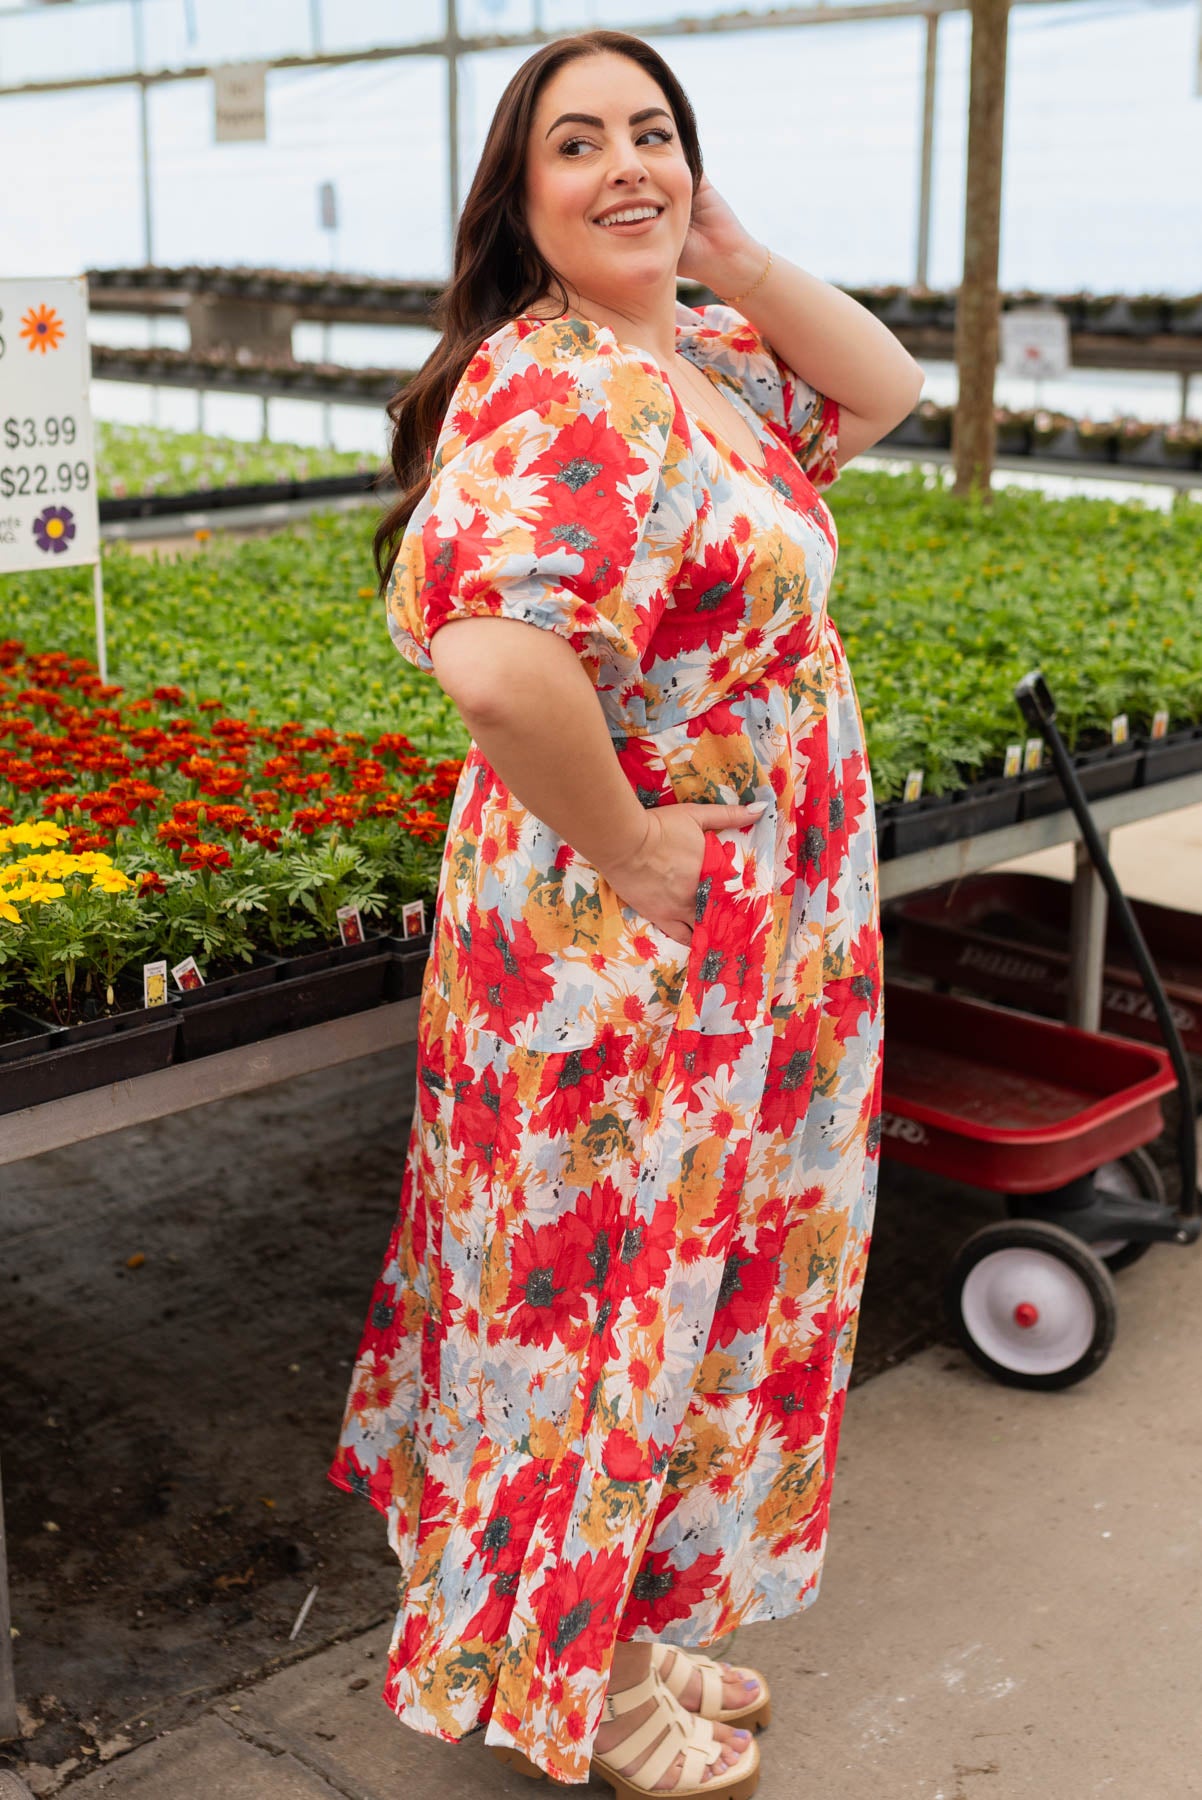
[{"x": 1005, "y": 1281}]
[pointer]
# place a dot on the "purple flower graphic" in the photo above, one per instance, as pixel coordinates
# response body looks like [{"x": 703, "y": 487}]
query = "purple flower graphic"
[{"x": 54, "y": 528}]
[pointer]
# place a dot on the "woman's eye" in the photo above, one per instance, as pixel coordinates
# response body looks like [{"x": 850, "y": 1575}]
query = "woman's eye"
[{"x": 567, "y": 148}]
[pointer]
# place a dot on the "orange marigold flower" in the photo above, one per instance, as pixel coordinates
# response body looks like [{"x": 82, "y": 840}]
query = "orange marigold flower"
[{"x": 206, "y": 856}]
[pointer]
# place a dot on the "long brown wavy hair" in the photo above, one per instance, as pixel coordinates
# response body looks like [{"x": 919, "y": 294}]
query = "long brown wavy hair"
[{"x": 497, "y": 272}]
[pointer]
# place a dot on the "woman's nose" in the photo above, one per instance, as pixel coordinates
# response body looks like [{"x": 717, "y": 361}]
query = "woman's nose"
[{"x": 626, "y": 169}]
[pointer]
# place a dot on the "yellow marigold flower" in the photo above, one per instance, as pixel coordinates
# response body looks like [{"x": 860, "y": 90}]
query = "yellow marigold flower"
[
  {"x": 32, "y": 831},
  {"x": 40, "y": 891},
  {"x": 10, "y": 913},
  {"x": 111, "y": 881}
]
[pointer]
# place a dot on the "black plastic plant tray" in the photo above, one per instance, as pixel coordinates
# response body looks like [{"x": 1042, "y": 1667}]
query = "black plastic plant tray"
[
  {"x": 410, "y": 959},
  {"x": 257, "y": 974},
  {"x": 52, "y": 1074},
  {"x": 1167, "y": 758},
  {"x": 947, "y": 818},
  {"x": 35, "y": 1034},
  {"x": 86, "y": 1031},
  {"x": 285, "y": 1005},
  {"x": 1101, "y": 772},
  {"x": 331, "y": 956}
]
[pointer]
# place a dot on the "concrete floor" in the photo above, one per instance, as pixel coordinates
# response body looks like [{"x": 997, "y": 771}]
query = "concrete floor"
[{"x": 1009, "y": 1612}]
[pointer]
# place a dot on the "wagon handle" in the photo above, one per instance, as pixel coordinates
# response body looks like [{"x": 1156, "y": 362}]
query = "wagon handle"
[{"x": 1035, "y": 701}]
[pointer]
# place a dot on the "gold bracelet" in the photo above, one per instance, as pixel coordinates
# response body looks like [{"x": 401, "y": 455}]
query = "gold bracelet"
[{"x": 734, "y": 298}]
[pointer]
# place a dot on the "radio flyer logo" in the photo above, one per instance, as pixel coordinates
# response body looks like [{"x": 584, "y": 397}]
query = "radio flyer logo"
[
  {"x": 43, "y": 328},
  {"x": 54, "y": 529}
]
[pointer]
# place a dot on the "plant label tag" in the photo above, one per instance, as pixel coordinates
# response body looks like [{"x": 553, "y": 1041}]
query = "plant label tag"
[
  {"x": 1160, "y": 724},
  {"x": 350, "y": 925},
  {"x": 1033, "y": 756},
  {"x": 154, "y": 984},
  {"x": 1119, "y": 729},
  {"x": 413, "y": 919},
  {"x": 913, "y": 787},
  {"x": 186, "y": 975},
  {"x": 1014, "y": 760}
]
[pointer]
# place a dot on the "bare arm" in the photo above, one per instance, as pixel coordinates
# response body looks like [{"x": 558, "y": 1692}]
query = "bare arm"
[
  {"x": 835, "y": 344},
  {"x": 530, "y": 706},
  {"x": 532, "y": 709}
]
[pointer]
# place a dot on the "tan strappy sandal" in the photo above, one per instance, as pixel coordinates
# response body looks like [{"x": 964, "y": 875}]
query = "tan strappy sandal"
[
  {"x": 754, "y": 1713},
  {"x": 683, "y": 1734}
]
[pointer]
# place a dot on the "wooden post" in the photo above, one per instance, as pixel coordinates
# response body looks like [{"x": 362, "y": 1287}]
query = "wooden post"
[{"x": 977, "y": 307}]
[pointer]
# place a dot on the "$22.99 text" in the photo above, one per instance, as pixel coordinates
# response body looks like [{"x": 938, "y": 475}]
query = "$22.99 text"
[{"x": 35, "y": 479}]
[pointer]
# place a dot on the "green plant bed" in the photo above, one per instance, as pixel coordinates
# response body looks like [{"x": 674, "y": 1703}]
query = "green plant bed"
[
  {"x": 146, "y": 459},
  {"x": 943, "y": 604}
]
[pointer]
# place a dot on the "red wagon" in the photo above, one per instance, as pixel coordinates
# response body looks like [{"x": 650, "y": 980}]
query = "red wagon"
[
  {"x": 1056, "y": 1119},
  {"x": 1005, "y": 936}
]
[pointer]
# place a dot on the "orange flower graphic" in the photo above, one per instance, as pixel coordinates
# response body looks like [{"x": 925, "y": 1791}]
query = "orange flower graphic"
[{"x": 43, "y": 327}]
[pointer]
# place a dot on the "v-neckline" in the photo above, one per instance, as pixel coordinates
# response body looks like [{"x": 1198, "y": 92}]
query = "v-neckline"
[{"x": 720, "y": 444}]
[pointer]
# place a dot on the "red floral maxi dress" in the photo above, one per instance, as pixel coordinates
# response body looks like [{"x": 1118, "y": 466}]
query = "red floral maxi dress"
[{"x": 600, "y": 1386}]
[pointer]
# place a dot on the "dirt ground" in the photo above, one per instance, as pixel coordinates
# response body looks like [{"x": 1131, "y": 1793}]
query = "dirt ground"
[{"x": 165, "y": 1429}]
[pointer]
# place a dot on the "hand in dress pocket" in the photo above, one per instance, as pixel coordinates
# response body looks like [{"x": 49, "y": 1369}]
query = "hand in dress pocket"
[{"x": 660, "y": 880}]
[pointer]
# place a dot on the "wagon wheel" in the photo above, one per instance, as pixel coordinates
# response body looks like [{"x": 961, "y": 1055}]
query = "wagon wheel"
[
  {"x": 1031, "y": 1304},
  {"x": 1133, "y": 1177}
]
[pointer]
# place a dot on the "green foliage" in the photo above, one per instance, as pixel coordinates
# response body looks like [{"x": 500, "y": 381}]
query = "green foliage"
[
  {"x": 943, "y": 604},
  {"x": 145, "y": 459}
]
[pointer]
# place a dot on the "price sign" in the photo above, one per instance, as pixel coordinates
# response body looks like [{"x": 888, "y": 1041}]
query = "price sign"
[
  {"x": 1034, "y": 340},
  {"x": 48, "y": 512}
]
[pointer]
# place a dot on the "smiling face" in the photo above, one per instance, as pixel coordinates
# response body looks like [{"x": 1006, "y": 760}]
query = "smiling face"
[{"x": 608, "y": 190}]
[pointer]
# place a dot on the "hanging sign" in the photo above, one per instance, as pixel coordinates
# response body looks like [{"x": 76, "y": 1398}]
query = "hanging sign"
[
  {"x": 1035, "y": 341},
  {"x": 48, "y": 512},
  {"x": 240, "y": 103}
]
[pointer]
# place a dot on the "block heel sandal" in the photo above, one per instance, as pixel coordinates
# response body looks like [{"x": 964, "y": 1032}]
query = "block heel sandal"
[
  {"x": 679, "y": 1733},
  {"x": 755, "y": 1714}
]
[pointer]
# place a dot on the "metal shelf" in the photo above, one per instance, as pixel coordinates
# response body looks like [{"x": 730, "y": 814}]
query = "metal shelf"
[
  {"x": 123, "y": 1103},
  {"x": 945, "y": 862}
]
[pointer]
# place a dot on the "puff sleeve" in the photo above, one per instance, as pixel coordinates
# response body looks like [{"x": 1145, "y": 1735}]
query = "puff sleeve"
[
  {"x": 723, "y": 339},
  {"x": 558, "y": 496}
]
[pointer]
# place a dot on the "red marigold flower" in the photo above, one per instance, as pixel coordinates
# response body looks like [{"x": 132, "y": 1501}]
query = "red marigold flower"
[
  {"x": 228, "y": 818},
  {"x": 266, "y": 800},
  {"x": 176, "y": 833},
  {"x": 151, "y": 882},
  {"x": 391, "y": 743},
  {"x": 136, "y": 793},
  {"x": 265, "y": 835},
  {"x": 52, "y": 802},
  {"x": 209, "y": 705},
  {"x": 206, "y": 856},
  {"x": 223, "y": 781},
  {"x": 308, "y": 818},
  {"x": 113, "y": 818},
  {"x": 174, "y": 695},
  {"x": 79, "y": 839}
]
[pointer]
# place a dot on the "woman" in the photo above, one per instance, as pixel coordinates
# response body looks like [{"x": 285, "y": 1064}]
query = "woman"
[{"x": 599, "y": 1392}]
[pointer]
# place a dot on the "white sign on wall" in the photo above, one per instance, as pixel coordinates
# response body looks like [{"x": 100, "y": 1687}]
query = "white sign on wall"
[
  {"x": 1035, "y": 341},
  {"x": 48, "y": 512},
  {"x": 240, "y": 103}
]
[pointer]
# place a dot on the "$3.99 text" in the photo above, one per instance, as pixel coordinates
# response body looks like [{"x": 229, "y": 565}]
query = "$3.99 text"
[
  {"x": 38, "y": 434},
  {"x": 36, "y": 479}
]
